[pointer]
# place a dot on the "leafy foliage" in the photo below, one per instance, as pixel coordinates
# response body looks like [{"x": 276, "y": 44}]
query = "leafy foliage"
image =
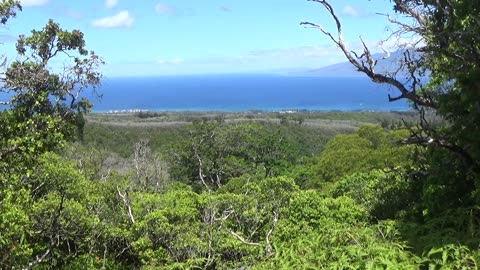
[
  {"x": 215, "y": 153},
  {"x": 381, "y": 194},
  {"x": 369, "y": 148},
  {"x": 238, "y": 195}
]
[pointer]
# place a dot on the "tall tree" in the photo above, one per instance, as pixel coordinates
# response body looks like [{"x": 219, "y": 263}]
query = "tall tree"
[
  {"x": 43, "y": 109},
  {"x": 46, "y": 102},
  {"x": 446, "y": 50}
]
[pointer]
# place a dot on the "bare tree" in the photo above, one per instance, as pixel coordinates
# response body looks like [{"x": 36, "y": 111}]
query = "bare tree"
[{"x": 150, "y": 169}]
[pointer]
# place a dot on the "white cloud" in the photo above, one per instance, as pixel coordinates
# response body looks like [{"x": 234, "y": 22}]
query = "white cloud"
[
  {"x": 351, "y": 11},
  {"x": 165, "y": 9},
  {"x": 120, "y": 20},
  {"x": 111, "y": 3},
  {"x": 301, "y": 57},
  {"x": 33, "y": 3}
]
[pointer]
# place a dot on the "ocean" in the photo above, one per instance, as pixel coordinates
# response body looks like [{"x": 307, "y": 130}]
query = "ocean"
[{"x": 232, "y": 93}]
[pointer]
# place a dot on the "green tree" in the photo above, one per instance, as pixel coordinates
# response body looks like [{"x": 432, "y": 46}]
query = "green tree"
[
  {"x": 44, "y": 109},
  {"x": 439, "y": 75},
  {"x": 216, "y": 152},
  {"x": 369, "y": 148},
  {"x": 383, "y": 195},
  {"x": 45, "y": 105},
  {"x": 331, "y": 233},
  {"x": 446, "y": 52}
]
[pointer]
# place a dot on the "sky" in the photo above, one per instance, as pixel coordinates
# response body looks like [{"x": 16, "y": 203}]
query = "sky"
[{"x": 180, "y": 37}]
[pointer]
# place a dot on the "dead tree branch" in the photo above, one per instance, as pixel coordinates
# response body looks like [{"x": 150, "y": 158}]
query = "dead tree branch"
[
  {"x": 241, "y": 239},
  {"x": 200, "y": 170},
  {"x": 9, "y": 150},
  {"x": 126, "y": 202},
  {"x": 38, "y": 260},
  {"x": 268, "y": 245},
  {"x": 366, "y": 64}
]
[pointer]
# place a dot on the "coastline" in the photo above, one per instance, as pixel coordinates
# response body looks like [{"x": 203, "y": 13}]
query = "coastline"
[{"x": 233, "y": 111}]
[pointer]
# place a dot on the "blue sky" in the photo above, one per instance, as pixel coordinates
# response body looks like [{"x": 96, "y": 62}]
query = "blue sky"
[{"x": 156, "y": 37}]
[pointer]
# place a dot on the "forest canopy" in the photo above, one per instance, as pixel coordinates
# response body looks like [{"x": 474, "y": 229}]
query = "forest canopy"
[{"x": 245, "y": 192}]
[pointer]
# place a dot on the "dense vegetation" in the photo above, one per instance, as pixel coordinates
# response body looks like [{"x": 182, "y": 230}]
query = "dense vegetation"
[{"x": 245, "y": 191}]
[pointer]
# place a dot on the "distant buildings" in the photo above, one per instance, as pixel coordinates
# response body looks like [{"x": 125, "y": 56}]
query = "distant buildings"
[{"x": 126, "y": 111}]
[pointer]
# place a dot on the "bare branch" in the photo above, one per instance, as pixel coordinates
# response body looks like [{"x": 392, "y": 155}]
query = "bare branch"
[
  {"x": 200, "y": 171},
  {"x": 225, "y": 215},
  {"x": 37, "y": 260},
  {"x": 126, "y": 202},
  {"x": 243, "y": 240},
  {"x": 268, "y": 245},
  {"x": 366, "y": 63},
  {"x": 9, "y": 150}
]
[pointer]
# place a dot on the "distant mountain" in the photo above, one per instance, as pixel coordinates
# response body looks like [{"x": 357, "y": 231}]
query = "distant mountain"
[{"x": 346, "y": 69}]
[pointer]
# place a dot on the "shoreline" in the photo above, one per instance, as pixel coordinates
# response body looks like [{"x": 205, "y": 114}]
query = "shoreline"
[{"x": 226, "y": 111}]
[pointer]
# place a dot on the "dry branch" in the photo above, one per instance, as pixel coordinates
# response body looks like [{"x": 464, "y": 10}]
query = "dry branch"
[
  {"x": 243, "y": 240},
  {"x": 268, "y": 245},
  {"x": 365, "y": 63},
  {"x": 37, "y": 260},
  {"x": 126, "y": 202}
]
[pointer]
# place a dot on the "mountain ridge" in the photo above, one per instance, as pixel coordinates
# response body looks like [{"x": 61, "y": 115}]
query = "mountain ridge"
[{"x": 346, "y": 69}]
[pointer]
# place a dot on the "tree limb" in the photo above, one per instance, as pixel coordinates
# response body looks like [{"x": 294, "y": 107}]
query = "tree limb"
[
  {"x": 243, "y": 240},
  {"x": 37, "y": 260},
  {"x": 268, "y": 245},
  {"x": 8, "y": 150},
  {"x": 126, "y": 202},
  {"x": 365, "y": 63}
]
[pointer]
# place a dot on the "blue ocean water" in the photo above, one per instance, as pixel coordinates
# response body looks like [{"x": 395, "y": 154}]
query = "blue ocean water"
[{"x": 244, "y": 92}]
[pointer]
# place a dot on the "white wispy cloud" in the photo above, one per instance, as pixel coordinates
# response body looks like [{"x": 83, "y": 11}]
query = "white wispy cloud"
[
  {"x": 111, "y": 3},
  {"x": 165, "y": 9},
  {"x": 352, "y": 11},
  {"x": 309, "y": 56},
  {"x": 33, "y": 3},
  {"x": 288, "y": 59},
  {"x": 123, "y": 19}
]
